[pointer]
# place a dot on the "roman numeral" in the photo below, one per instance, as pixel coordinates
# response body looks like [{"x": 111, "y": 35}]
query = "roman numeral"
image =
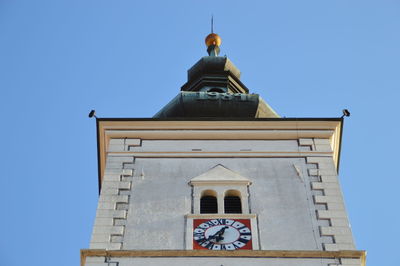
[
  {"x": 238, "y": 225},
  {"x": 238, "y": 244},
  {"x": 243, "y": 240},
  {"x": 221, "y": 221},
  {"x": 204, "y": 243},
  {"x": 210, "y": 223},
  {"x": 209, "y": 245},
  {"x": 198, "y": 237}
]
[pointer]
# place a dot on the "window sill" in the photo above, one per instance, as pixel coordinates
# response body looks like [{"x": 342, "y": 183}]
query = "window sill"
[{"x": 222, "y": 215}]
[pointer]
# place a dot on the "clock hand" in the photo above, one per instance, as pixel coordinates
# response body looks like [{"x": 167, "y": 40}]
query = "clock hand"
[
  {"x": 218, "y": 235},
  {"x": 222, "y": 230}
]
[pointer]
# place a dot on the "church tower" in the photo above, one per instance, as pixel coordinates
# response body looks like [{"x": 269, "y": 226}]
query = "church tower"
[{"x": 216, "y": 177}]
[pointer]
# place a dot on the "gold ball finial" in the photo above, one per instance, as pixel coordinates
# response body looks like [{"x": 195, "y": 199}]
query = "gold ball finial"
[{"x": 213, "y": 39}]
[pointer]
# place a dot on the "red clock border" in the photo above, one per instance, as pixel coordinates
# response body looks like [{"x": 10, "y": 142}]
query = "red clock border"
[{"x": 246, "y": 222}]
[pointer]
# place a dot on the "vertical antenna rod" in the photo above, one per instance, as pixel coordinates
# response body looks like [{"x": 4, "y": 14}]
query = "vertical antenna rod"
[
  {"x": 212, "y": 23},
  {"x": 213, "y": 41}
]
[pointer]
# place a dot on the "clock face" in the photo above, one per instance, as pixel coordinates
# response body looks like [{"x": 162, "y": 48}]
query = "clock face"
[{"x": 222, "y": 234}]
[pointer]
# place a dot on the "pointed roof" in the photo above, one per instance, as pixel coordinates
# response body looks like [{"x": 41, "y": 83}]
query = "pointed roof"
[
  {"x": 214, "y": 89},
  {"x": 219, "y": 174}
]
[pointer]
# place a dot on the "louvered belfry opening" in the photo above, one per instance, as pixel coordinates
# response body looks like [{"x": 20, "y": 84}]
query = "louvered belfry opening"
[
  {"x": 233, "y": 204},
  {"x": 208, "y": 204}
]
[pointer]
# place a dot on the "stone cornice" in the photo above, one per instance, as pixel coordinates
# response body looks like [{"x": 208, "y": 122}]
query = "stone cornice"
[
  {"x": 258, "y": 129},
  {"x": 350, "y": 254}
]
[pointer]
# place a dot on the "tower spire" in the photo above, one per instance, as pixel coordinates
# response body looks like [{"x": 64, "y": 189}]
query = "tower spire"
[{"x": 213, "y": 41}]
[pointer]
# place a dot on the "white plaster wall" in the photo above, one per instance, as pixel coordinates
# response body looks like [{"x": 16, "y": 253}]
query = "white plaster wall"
[
  {"x": 285, "y": 194},
  {"x": 283, "y": 202},
  {"x": 162, "y": 197}
]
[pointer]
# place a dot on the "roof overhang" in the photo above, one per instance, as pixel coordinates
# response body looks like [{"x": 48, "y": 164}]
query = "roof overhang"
[{"x": 218, "y": 129}]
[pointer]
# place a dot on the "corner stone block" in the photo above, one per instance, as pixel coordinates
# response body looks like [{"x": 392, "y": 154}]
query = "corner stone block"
[
  {"x": 323, "y": 148},
  {"x": 114, "y": 198},
  {"x": 117, "y": 165},
  {"x": 331, "y": 185},
  {"x": 116, "y": 141},
  {"x": 332, "y": 230},
  {"x": 133, "y": 142},
  {"x": 116, "y": 148},
  {"x": 327, "y": 172},
  {"x": 326, "y": 199},
  {"x": 95, "y": 259},
  {"x": 124, "y": 185},
  {"x": 96, "y": 245},
  {"x": 319, "y": 160},
  {"x": 313, "y": 172},
  {"x": 322, "y": 141},
  {"x": 114, "y": 246},
  {"x": 346, "y": 246},
  {"x": 103, "y": 221},
  {"x": 327, "y": 166},
  {"x": 331, "y": 247},
  {"x": 320, "y": 199},
  {"x": 111, "y": 213},
  {"x": 109, "y": 229},
  {"x": 350, "y": 261},
  {"x": 344, "y": 239},
  {"x": 317, "y": 185},
  {"x": 117, "y": 184},
  {"x": 325, "y": 214},
  {"x": 100, "y": 238},
  {"x": 335, "y": 206},
  {"x": 119, "y": 159},
  {"x": 96, "y": 264},
  {"x": 340, "y": 222},
  {"x": 329, "y": 179},
  {"x": 332, "y": 192},
  {"x": 117, "y": 238},
  {"x": 106, "y": 205},
  {"x": 306, "y": 142},
  {"x": 112, "y": 177},
  {"x": 322, "y": 185},
  {"x": 109, "y": 191},
  {"x": 125, "y": 172}
]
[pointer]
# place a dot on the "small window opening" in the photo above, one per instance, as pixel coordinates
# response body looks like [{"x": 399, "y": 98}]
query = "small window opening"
[
  {"x": 216, "y": 90},
  {"x": 233, "y": 204},
  {"x": 208, "y": 204}
]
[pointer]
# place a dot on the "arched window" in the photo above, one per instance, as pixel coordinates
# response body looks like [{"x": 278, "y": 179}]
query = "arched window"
[
  {"x": 216, "y": 186},
  {"x": 232, "y": 202},
  {"x": 208, "y": 202}
]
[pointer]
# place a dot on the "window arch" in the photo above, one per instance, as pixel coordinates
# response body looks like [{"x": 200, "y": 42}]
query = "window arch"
[
  {"x": 232, "y": 202},
  {"x": 208, "y": 202}
]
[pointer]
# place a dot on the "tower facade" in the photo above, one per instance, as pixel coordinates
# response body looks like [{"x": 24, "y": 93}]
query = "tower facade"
[{"x": 216, "y": 177}]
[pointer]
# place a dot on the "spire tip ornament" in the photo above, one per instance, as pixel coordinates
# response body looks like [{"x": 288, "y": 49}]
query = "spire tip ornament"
[{"x": 213, "y": 41}]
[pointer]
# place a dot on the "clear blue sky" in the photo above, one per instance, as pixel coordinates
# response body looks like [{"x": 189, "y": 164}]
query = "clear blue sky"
[{"x": 310, "y": 58}]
